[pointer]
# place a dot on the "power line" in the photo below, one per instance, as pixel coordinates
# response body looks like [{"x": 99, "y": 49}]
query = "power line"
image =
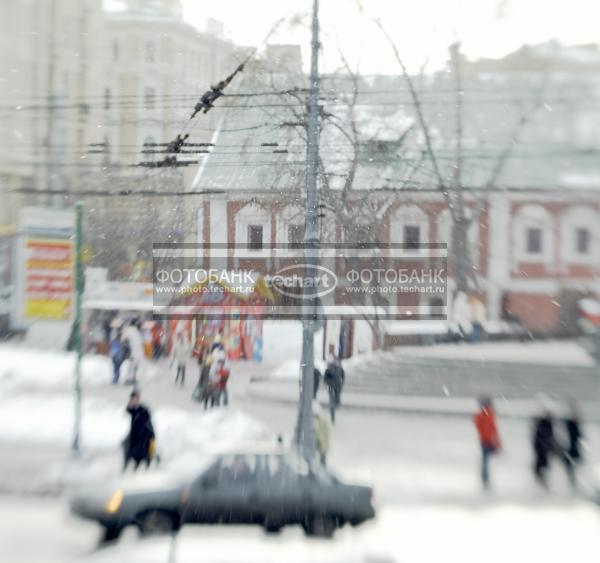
[
  {"x": 118, "y": 193},
  {"x": 153, "y": 106}
]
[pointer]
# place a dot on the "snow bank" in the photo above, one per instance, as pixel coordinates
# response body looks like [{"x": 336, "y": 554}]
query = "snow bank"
[
  {"x": 283, "y": 348},
  {"x": 49, "y": 420},
  {"x": 47, "y": 335},
  {"x": 28, "y": 367},
  {"x": 282, "y": 341},
  {"x": 22, "y": 367}
]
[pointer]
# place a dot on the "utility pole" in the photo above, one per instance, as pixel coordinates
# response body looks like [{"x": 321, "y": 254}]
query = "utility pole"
[
  {"x": 52, "y": 110},
  {"x": 77, "y": 323},
  {"x": 305, "y": 431},
  {"x": 460, "y": 221}
]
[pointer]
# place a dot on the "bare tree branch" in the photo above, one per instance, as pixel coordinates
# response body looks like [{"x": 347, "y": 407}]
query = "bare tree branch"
[
  {"x": 514, "y": 138},
  {"x": 418, "y": 108}
]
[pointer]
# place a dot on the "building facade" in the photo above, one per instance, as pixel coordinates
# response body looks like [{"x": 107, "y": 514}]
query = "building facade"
[
  {"x": 535, "y": 253},
  {"x": 156, "y": 66}
]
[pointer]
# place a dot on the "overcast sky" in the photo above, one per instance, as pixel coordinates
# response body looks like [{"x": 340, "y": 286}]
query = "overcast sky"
[{"x": 422, "y": 28}]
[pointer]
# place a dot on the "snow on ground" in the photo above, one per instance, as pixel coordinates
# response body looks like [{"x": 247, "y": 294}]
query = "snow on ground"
[
  {"x": 47, "y": 335},
  {"x": 22, "y": 366},
  {"x": 49, "y": 419},
  {"x": 423, "y": 534},
  {"x": 561, "y": 352},
  {"x": 283, "y": 348}
]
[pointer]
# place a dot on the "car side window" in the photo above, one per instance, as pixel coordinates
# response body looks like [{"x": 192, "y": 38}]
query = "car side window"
[
  {"x": 208, "y": 478},
  {"x": 237, "y": 469}
]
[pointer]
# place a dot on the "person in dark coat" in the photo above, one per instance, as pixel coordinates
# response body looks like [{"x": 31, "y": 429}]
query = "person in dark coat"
[
  {"x": 316, "y": 382},
  {"x": 141, "y": 433},
  {"x": 334, "y": 379},
  {"x": 544, "y": 445},
  {"x": 572, "y": 452}
]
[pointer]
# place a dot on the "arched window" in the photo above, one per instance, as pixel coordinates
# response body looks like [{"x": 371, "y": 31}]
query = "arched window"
[
  {"x": 533, "y": 235},
  {"x": 253, "y": 227},
  {"x": 579, "y": 235},
  {"x": 410, "y": 226},
  {"x": 290, "y": 226}
]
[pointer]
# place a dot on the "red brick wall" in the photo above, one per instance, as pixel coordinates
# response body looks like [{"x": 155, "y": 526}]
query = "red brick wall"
[{"x": 537, "y": 312}]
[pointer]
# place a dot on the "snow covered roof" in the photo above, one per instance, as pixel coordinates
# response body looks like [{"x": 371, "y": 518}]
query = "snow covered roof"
[{"x": 557, "y": 142}]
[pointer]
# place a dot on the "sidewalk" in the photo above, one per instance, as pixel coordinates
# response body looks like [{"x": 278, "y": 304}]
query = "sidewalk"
[{"x": 286, "y": 391}]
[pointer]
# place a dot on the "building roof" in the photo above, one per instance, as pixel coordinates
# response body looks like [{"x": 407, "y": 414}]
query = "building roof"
[{"x": 535, "y": 129}]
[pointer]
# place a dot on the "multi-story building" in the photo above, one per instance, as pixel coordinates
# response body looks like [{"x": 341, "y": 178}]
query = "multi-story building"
[
  {"x": 156, "y": 66},
  {"x": 48, "y": 77}
]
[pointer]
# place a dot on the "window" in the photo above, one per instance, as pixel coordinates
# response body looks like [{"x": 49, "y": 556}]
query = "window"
[
  {"x": 412, "y": 235},
  {"x": 115, "y": 51},
  {"x": 582, "y": 241},
  {"x": 534, "y": 241},
  {"x": 107, "y": 98},
  {"x": 237, "y": 469},
  {"x": 150, "y": 52},
  {"x": 149, "y": 98},
  {"x": 255, "y": 237},
  {"x": 296, "y": 235}
]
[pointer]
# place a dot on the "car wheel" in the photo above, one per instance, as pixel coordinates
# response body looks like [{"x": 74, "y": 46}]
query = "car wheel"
[
  {"x": 110, "y": 533},
  {"x": 321, "y": 526},
  {"x": 272, "y": 525},
  {"x": 156, "y": 522},
  {"x": 272, "y": 528}
]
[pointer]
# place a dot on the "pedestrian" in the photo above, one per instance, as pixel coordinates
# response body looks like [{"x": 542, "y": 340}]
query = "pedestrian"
[
  {"x": 140, "y": 440},
  {"x": 133, "y": 337},
  {"x": 117, "y": 355},
  {"x": 107, "y": 330},
  {"x": 217, "y": 366},
  {"x": 316, "y": 382},
  {"x": 321, "y": 432},
  {"x": 485, "y": 422},
  {"x": 222, "y": 391},
  {"x": 334, "y": 379},
  {"x": 544, "y": 443},
  {"x": 180, "y": 355},
  {"x": 572, "y": 451},
  {"x": 204, "y": 381},
  {"x": 156, "y": 333}
]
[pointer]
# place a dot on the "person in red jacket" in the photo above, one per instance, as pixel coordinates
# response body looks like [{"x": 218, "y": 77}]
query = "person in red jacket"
[{"x": 485, "y": 422}]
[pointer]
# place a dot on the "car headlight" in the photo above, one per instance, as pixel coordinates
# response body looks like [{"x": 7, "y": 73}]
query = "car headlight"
[{"x": 114, "y": 502}]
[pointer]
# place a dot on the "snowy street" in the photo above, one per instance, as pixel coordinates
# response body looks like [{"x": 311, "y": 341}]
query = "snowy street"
[{"x": 424, "y": 469}]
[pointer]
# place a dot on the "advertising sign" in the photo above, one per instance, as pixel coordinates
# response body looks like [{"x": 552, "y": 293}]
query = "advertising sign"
[
  {"x": 49, "y": 279},
  {"x": 44, "y": 272}
]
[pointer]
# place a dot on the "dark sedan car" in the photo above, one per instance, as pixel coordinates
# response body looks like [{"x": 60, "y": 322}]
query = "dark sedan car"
[{"x": 269, "y": 489}]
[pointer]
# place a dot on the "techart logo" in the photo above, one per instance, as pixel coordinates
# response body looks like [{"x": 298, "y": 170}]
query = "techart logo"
[{"x": 303, "y": 281}]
